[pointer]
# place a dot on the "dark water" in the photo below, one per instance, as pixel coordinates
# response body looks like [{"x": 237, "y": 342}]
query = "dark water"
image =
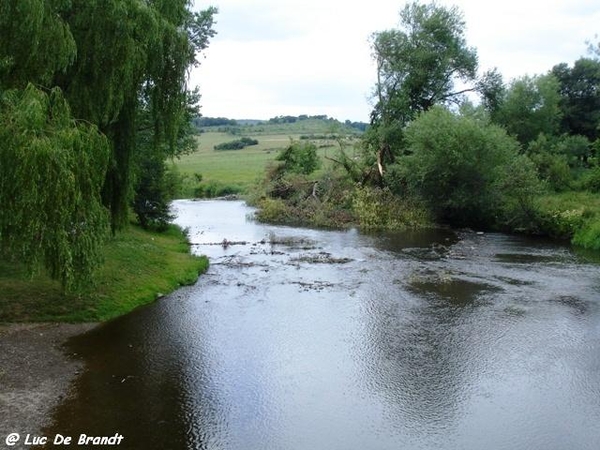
[{"x": 305, "y": 339}]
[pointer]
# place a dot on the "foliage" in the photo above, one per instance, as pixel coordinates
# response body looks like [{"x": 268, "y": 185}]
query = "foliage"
[
  {"x": 379, "y": 209},
  {"x": 518, "y": 187},
  {"x": 153, "y": 193},
  {"x": 591, "y": 180},
  {"x": 52, "y": 170},
  {"x": 127, "y": 68},
  {"x": 214, "y": 189},
  {"x": 588, "y": 235},
  {"x": 569, "y": 214},
  {"x": 238, "y": 144},
  {"x": 213, "y": 122},
  {"x": 455, "y": 164},
  {"x": 530, "y": 106},
  {"x": 300, "y": 158},
  {"x": 417, "y": 68},
  {"x": 35, "y": 42},
  {"x": 112, "y": 65},
  {"x": 580, "y": 97}
]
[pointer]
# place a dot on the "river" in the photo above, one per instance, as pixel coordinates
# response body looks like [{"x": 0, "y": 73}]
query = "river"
[{"x": 300, "y": 339}]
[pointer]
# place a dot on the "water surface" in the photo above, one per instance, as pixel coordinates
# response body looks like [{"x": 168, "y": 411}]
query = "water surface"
[{"x": 306, "y": 339}]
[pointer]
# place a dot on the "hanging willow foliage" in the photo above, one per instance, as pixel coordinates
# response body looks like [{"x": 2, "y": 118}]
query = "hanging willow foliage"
[
  {"x": 35, "y": 42},
  {"x": 105, "y": 63},
  {"x": 132, "y": 56},
  {"x": 52, "y": 169}
]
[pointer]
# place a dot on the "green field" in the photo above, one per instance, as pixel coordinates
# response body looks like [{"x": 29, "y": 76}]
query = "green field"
[{"x": 241, "y": 168}]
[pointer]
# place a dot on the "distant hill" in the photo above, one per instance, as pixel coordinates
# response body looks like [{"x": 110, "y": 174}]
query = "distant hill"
[{"x": 303, "y": 124}]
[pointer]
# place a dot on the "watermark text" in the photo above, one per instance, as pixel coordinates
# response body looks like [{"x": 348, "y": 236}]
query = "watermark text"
[{"x": 60, "y": 440}]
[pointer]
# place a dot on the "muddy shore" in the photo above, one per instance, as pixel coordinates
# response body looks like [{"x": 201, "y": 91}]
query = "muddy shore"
[{"x": 35, "y": 374}]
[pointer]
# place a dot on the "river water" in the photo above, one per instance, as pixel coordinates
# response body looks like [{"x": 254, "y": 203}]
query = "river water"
[{"x": 309, "y": 339}]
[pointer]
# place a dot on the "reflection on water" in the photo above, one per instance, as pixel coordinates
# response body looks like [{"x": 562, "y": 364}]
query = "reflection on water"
[{"x": 306, "y": 339}]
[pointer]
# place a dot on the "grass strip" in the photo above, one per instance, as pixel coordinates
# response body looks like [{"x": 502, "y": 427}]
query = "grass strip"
[{"x": 138, "y": 267}]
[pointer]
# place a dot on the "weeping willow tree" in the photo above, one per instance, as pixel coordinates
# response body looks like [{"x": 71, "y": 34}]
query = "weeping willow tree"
[
  {"x": 52, "y": 172},
  {"x": 35, "y": 42},
  {"x": 132, "y": 63},
  {"x": 76, "y": 76}
]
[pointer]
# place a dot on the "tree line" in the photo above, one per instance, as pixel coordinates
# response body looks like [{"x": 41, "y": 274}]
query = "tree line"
[{"x": 93, "y": 98}]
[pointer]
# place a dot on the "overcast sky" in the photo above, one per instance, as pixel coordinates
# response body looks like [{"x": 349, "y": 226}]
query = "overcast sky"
[{"x": 292, "y": 57}]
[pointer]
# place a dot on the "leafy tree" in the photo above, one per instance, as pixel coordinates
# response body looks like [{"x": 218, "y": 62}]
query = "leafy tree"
[
  {"x": 418, "y": 65},
  {"x": 51, "y": 166},
  {"x": 35, "y": 42},
  {"x": 300, "y": 158},
  {"x": 530, "y": 106},
  {"x": 51, "y": 172},
  {"x": 132, "y": 57},
  {"x": 552, "y": 166},
  {"x": 492, "y": 90},
  {"x": 579, "y": 88},
  {"x": 102, "y": 68},
  {"x": 456, "y": 165}
]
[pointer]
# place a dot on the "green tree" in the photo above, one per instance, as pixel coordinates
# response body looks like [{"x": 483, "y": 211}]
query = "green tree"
[
  {"x": 132, "y": 57},
  {"x": 35, "y": 42},
  {"x": 418, "y": 66},
  {"x": 101, "y": 69},
  {"x": 530, "y": 106},
  {"x": 51, "y": 166},
  {"x": 51, "y": 171},
  {"x": 579, "y": 88},
  {"x": 456, "y": 165},
  {"x": 300, "y": 158}
]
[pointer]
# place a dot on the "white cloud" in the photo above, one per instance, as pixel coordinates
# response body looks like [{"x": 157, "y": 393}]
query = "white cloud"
[{"x": 313, "y": 57}]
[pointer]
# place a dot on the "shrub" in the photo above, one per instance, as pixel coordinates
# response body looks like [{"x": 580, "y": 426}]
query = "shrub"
[
  {"x": 379, "y": 209},
  {"x": 591, "y": 180},
  {"x": 299, "y": 157},
  {"x": 455, "y": 164},
  {"x": 588, "y": 235},
  {"x": 212, "y": 189},
  {"x": 238, "y": 144}
]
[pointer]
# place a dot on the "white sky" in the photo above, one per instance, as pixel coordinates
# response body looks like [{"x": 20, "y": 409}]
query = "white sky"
[{"x": 292, "y": 57}]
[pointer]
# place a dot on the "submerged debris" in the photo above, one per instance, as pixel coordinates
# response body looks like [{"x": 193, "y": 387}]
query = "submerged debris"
[
  {"x": 321, "y": 258},
  {"x": 313, "y": 286},
  {"x": 293, "y": 242}
]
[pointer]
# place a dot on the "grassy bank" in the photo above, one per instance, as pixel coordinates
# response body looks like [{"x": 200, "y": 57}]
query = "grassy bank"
[
  {"x": 139, "y": 265},
  {"x": 572, "y": 215}
]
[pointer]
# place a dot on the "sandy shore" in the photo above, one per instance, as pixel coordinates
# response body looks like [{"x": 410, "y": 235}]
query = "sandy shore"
[{"x": 35, "y": 374}]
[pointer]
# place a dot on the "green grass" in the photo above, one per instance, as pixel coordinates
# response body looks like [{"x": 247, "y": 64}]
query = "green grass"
[{"x": 138, "y": 266}]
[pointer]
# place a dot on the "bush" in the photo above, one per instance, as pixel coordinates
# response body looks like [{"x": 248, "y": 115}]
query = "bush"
[
  {"x": 518, "y": 186},
  {"x": 238, "y": 144},
  {"x": 212, "y": 189},
  {"x": 588, "y": 236},
  {"x": 300, "y": 158},
  {"x": 455, "y": 165},
  {"x": 591, "y": 180},
  {"x": 379, "y": 209}
]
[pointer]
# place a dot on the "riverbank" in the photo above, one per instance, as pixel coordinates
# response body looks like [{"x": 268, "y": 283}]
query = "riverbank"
[
  {"x": 139, "y": 267},
  {"x": 35, "y": 373}
]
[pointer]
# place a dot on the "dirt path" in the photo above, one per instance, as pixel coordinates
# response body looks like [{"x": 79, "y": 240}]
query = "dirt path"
[{"x": 35, "y": 374}]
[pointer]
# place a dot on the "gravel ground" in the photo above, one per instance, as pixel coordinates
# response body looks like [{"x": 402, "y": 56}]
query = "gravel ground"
[{"x": 35, "y": 374}]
